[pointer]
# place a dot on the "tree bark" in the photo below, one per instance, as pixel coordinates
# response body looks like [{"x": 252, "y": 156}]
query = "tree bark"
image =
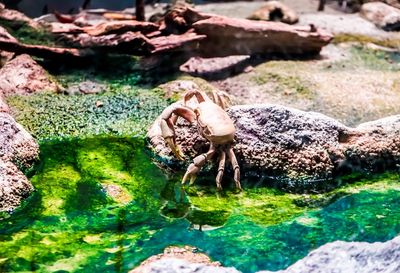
[
  {"x": 321, "y": 5},
  {"x": 140, "y": 16}
]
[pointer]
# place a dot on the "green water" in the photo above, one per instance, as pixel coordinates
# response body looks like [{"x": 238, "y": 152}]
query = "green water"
[{"x": 71, "y": 225}]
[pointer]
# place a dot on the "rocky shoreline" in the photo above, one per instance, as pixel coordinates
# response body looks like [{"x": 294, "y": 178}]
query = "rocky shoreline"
[{"x": 298, "y": 151}]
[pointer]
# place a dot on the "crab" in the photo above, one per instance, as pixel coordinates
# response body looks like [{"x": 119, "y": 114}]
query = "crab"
[{"x": 213, "y": 123}]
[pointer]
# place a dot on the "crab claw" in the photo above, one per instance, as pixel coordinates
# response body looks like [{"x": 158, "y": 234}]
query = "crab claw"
[
  {"x": 175, "y": 148},
  {"x": 168, "y": 119}
]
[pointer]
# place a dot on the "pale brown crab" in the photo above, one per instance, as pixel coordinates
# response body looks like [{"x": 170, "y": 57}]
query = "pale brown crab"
[{"x": 213, "y": 124}]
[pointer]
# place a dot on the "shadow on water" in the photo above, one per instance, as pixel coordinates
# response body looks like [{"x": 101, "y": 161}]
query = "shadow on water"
[{"x": 71, "y": 224}]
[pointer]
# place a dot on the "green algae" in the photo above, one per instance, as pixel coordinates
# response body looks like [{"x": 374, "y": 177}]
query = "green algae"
[
  {"x": 72, "y": 224},
  {"x": 363, "y": 57},
  {"x": 127, "y": 112},
  {"x": 365, "y": 39}
]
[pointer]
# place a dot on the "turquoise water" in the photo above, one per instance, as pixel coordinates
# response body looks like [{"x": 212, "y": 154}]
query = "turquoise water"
[{"x": 71, "y": 225}]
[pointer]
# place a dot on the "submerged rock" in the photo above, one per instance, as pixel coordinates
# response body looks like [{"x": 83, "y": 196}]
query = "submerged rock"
[
  {"x": 17, "y": 146},
  {"x": 275, "y": 11},
  {"x": 354, "y": 257},
  {"x": 292, "y": 149},
  {"x": 382, "y": 15},
  {"x": 181, "y": 260},
  {"x": 22, "y": 75}
]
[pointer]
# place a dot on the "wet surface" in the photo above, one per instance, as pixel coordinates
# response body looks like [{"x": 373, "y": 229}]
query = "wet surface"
[{"x": 72, "y": 225}]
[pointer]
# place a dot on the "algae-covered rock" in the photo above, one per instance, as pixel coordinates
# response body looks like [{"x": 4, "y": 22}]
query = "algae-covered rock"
[
  {"x": 295, "y": 150},
  {"x": 22, "y": 75},
  {"x": 355, "y": 257},
  {"x": 16, "y": 147}
]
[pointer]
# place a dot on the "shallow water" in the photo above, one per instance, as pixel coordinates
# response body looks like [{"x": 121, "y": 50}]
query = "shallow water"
[{"x": 71, "y": 225}]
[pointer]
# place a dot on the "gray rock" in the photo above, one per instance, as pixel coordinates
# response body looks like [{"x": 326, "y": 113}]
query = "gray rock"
[
  {"x": 22, "y": 75},
  {"x": 171, "y": 265},
  {"x": 292, "y": 149},
  {"x": 382, "y": 15},
  {"x": 17, "y": 147},
  {"x": 354, "y": 257}
]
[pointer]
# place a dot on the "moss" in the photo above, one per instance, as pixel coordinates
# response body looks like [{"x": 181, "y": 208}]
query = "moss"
[
  {"x": 127, "y": 112},
  {"x": 364, "y": 39},
  {"x": 371, "y": 59},
  {"x": 289, "y": 85}
]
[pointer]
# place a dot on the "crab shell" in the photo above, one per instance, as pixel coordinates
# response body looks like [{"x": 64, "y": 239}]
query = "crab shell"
[{"x": 214, "y": 123}]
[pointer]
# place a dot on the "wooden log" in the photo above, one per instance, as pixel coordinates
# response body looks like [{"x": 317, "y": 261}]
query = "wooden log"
[
  {"x": 46, "y": 52},
  {"x": 232, "y": 36},
  {"x": 133, "y": 43},
  {"x": 177, "y": 43},
  {"x": 120, "y": 27}
]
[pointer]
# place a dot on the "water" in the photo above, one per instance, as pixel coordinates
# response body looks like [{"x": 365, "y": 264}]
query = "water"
[{"x": 71, "y": 225}]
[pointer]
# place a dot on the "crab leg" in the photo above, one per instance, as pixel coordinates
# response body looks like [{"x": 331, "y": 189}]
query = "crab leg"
[
  {"x": 235, "y": 167},
  {"x": 195, "y": 167},
  {"x": 221, "y": 167},
  {"x": 200, "y": 96},
  {"x": 168, "y": 119}
]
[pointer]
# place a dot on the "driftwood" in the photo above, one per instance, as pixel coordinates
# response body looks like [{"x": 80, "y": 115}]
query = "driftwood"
[
  {"x": 183, "y": 31},
  {"x": 231, "y": 36},
  {"x": 120, "y": 27},
  {"x": 173, "y": 43},
  {"x": 44, "y": 52},
  {"x": 133, "y": 43}
]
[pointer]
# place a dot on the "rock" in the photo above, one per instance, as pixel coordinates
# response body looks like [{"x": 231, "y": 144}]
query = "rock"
[
  {"x": 23, "y": 75},
  {"x": 17, "y": 146},
  {"x": 355, "y": 5},
  {"x": 181, "y": 260},
  {"x": 3, "y": 105},
  {"x": 6, "y": 36},
  {"x": 382, "y": 15},
  {"x": 215, "y": 68},
  {"x": 294, "y": 150},
  {"x": 354, "y": 257},
  {"x": 275, "y": 11},
  {"x": 337, "y": 257},
  {"x": 86, "y": 87},
  {"x": 232, "y": 36},
  {"x": 17, "y": 18},
  {"x": 14, "y": 187}
]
